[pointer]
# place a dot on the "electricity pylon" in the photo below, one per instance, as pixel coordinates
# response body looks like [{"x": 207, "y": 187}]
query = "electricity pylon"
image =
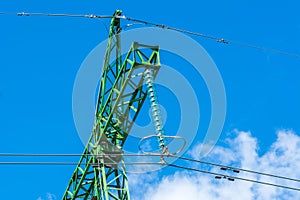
[{"x": 100, "y": 173}]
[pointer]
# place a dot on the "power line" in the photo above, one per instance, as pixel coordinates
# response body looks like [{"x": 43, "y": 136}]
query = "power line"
[
  {"x": 217, "y": 39},
  {"x": 76, "y": 163},
  {"x": 237, "y": 169},
  {"x": 157, "y": 163},
  {"x": 67, "y": 155},
  {"x": 162, "y": 26},
  {"x": 225, "y": 167},
  {"x": 26, "y": 14},
  {"x": 235, "y": 177}
]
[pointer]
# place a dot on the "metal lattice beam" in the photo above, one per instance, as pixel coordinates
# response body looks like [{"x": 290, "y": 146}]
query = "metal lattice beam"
[{"x": 121, "y": 96}]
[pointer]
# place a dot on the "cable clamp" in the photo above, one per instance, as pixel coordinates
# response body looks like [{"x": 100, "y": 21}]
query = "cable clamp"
[
  {"x": 121, "y": 17},
  {"x": 221, "y": 40},
  {"x": 23, "y": 14},
  {"x": 91, "y": 16}
]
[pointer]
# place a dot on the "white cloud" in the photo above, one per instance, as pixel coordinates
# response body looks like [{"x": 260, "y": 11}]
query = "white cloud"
[
  {"x": 49, "y": 196},
  {"x": 282, "y": 158}
]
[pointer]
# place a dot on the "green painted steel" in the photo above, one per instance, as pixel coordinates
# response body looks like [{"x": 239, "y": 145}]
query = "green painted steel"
[{"x": 100, "y": 173}]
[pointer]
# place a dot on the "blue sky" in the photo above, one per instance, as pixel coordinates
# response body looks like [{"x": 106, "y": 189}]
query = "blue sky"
[{"x": 40, "y": 57}]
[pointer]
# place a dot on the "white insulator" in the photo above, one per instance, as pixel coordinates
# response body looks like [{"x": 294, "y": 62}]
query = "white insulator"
[
  {"x": 148, "y": 76},
  {"x": 157, "y": 121},
  {"x": 157, "y": 112},
  {"x": 156, "y": 117}
]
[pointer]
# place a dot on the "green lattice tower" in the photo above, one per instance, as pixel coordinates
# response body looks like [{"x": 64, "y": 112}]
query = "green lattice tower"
[{"x": 100, "y": 173}]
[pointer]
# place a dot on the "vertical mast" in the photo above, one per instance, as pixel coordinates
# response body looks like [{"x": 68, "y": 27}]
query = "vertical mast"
[{"x": 100, "y": 173}]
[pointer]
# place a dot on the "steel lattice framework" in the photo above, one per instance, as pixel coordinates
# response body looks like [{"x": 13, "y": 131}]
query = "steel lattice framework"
[{"x": 100, "y": 173}]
